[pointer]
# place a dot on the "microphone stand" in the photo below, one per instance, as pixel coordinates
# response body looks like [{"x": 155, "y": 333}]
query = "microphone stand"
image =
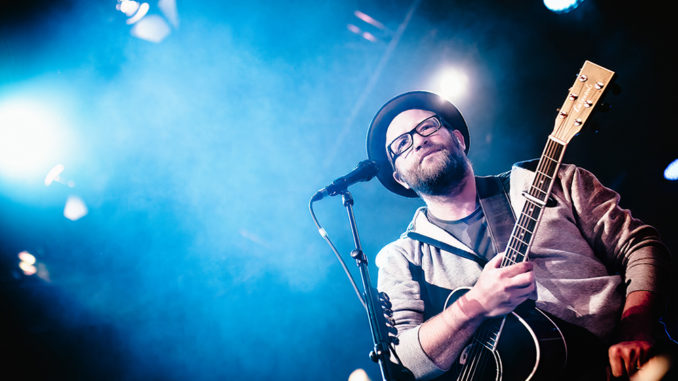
[{"x": 381, "y": 353}]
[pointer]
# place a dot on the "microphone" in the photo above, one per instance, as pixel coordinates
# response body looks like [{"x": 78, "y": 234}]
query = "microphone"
[{"x": 365, "y": 171}]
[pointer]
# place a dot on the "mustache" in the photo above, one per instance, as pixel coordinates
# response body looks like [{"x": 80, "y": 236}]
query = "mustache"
[{"x": 431, "y": 149}]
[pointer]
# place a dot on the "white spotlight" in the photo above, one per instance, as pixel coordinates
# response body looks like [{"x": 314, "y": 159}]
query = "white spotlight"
[
  {"x": 671, "y": 171},
  {"x": 358, "y": 375},
  {"x": 75, "y": 208},
  {"x": 561, "y": 6},
  {"x": 451, "y": 84},
  {"x": 31, "y": 136}
]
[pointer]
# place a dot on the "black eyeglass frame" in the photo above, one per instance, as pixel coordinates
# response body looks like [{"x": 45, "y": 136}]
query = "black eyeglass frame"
[{"x": 393, "y": 156}]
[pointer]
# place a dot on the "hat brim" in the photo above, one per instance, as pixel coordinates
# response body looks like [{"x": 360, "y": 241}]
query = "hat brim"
[{"x": 376, "y": 135}]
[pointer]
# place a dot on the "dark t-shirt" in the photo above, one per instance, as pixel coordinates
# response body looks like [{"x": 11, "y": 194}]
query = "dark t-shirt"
[{"x": 470, "y": 230}]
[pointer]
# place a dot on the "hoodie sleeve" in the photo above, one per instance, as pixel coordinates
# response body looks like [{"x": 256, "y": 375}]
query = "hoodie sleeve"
[
  {"x": 626, "y": 245},
  {"x": 398, "y": 278}
]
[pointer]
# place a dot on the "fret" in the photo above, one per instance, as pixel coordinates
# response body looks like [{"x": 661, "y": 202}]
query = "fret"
[
  {"x": 522, "y": 233},
  {"x": 519, "y": 247},
  {"x": 530, "y": 217},
  {"x": 555, "y": 150},
  {"x": 520, "y": 240},
  {"x": 489, "y": 336},
  {"x": 543, "y": 175},
  {"x": 532, "y": 211},
  {"x": 508, "y": 260},
  {"x": 552, "y": 160},
  {"x": 488, "y": 346},
  {"x": 511, "y": 257},
  {"x": 527, "y": 222},
  {"x": 537, "y": 190}
]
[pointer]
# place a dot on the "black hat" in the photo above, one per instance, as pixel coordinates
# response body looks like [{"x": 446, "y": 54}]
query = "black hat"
[{"x": 376, "y": 135}]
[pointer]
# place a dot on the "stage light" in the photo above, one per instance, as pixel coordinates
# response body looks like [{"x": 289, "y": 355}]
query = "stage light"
[
  {"x": 152, "y": 28},
  {"x": 26, "y": 257},
  {"x": 561, "y": 6},
  {"x": 27, "y": 263},
  {"x": 31, "y": 136},
  {"x": 450, "y": 84},
  {"x": 149, "y": 27},
  {"x": 128, "y": 7},
  {"x": 133, "y": 10},
  {"x": 368, "y": 19},
  {"x": 28, "y": 269},
  {"x": 671, "y": 171},
  {"x": 358, "y": 375},
  {"x": 371, "y": 24},
  {"x": 75, "y": 208}
]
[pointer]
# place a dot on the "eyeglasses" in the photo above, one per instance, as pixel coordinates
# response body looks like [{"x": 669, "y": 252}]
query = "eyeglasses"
[{"x": 402, "y": 143}]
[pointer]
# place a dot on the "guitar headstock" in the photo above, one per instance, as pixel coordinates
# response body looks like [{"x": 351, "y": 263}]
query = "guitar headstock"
[{"x": 584, "y": 94}]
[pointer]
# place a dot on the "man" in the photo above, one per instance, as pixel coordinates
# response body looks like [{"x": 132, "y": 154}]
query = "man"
[{"x": 592, "y": 268}]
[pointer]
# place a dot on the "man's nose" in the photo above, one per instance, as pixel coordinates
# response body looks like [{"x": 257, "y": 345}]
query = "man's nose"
[{"x": 419, "y": 142}]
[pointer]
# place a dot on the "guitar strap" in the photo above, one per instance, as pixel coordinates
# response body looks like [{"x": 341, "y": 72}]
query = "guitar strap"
[{"x": 494, "y": 200}]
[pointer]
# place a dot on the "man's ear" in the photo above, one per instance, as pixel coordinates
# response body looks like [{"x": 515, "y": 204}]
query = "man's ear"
[
  {"x": 398, "y": 180},
  {"x": 460, "y": 138}
]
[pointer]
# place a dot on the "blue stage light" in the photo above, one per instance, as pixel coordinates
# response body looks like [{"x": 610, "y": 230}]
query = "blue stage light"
[
  {"x": 561, "y": 6},
  {"x": 31, "y": 138},
  {"x": 671, "y": 171}
]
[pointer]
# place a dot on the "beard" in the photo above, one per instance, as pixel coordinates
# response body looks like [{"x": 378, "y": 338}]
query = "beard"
[{"x": 442, "y": 176}]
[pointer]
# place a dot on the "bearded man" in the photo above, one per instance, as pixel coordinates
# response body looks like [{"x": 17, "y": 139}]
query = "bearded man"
[{"x": 595, "y": 271}]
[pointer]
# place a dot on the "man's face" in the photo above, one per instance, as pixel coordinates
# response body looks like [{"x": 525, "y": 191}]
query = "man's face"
[{"x": 435, "y": 164}]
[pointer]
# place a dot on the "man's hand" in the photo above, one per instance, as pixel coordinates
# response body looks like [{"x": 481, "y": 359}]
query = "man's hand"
[
  {"x": 628, "y": 356},
  {"x": 499, "y": 290},
  {"x": 635, "y": 334}
]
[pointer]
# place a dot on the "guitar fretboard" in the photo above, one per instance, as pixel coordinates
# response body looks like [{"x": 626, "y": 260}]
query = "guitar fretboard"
[{"x": 536, "y": 198}]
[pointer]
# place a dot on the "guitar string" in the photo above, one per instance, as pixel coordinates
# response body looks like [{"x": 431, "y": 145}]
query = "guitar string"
[
  {"x": 478, "y": 352},
  {"x": 482, "y": 364},
  {"x": 475, "y": 354},
  {"x": 513, "y": 249},
  {"x": 468, "y": 369}
]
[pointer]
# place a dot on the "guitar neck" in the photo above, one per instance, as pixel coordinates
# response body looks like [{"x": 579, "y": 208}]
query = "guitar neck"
[
  {"x": 583, "y": 96},
  {"x": 536, "y": 198}
]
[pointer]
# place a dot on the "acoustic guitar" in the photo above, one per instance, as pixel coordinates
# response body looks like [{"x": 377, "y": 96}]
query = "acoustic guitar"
[{"x": 527, "y": 344}]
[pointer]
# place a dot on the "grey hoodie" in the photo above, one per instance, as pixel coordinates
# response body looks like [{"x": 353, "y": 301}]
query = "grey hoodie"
[{"x": 588, "y": 253}]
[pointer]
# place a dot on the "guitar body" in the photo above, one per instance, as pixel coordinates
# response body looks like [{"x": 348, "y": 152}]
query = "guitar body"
[{"x": 530, "y": 347}]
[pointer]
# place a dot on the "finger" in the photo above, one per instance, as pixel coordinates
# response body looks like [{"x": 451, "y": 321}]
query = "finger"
[
  {"x": 534, "y": 295},
  {"x": 630, "y": 361},
  {"x": 521, "y": 281},
  {"x": 643, "y": 354},
  {"x": 616, "y": 363},
  {"x": 518, "y": 268},
  {"x": 495, "y": 262},
  {"x": 516, "y": 299}
]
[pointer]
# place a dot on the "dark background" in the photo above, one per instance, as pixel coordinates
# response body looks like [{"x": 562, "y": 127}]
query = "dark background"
[{"x": 196, "y": 158}]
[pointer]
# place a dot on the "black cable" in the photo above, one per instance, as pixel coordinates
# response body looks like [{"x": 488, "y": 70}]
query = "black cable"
[{"x": 326, "y": 237}]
